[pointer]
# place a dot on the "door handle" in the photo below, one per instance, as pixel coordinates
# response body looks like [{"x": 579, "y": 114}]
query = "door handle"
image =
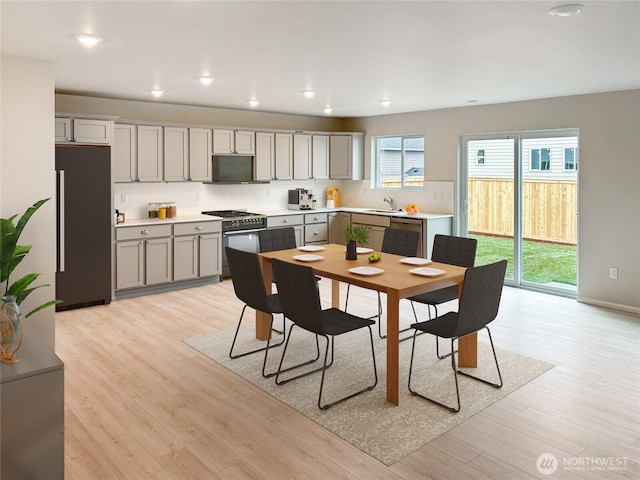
[{"x": 61, "y": 222}]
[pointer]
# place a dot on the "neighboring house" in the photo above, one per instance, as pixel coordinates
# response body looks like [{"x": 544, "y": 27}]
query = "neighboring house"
[{"x": 542, "y": 159}]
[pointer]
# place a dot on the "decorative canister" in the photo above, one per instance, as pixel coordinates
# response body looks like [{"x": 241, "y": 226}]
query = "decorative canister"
[{"x": 10, "y": 329}]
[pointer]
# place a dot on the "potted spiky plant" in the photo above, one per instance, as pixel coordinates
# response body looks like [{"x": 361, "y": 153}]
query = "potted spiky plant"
[
  {"x": 12, "y": 254},
  {"x": 358, "y": 234}
]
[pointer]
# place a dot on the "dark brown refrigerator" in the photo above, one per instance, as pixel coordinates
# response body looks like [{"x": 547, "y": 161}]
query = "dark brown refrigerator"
[{"x": 84, "y": 222}]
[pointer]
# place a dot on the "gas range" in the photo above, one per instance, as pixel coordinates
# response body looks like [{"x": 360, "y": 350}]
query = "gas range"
[{"x": 239, "y": 220}]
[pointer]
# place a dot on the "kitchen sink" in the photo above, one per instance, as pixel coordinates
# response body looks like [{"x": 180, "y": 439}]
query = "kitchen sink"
[{"x": 381, "y": 211}]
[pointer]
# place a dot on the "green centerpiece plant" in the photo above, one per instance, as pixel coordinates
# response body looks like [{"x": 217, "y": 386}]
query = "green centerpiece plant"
[{"x": 358, "y": 234}]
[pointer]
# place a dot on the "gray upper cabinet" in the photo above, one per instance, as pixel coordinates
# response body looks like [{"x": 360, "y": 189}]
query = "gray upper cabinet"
[
  {"x": 346, "y": 156},
  {"x": 176, "y": 154},
  {"x": 233, "y": 141},
  {"x": 150, "y": 153},
  {"x": 124, "y": 155},
  {"x": 81, "y": 130},
  {"x": 320, "y": 156},
  {"x": 284, "y": 156},
  {"x": 265, "y": 157},
  {"x": 302, "y": 155},
  {"x": 200, "y": 148}
]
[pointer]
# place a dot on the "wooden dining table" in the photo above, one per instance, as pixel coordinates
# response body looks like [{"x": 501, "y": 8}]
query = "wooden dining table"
[{"x": 396, "y": 281}]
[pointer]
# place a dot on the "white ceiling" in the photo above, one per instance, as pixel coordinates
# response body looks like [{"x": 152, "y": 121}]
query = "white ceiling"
[{"x": 421, "y": 55}]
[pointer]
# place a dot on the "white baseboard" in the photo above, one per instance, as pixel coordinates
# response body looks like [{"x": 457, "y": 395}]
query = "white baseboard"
[{"x": 612, "y": 306}]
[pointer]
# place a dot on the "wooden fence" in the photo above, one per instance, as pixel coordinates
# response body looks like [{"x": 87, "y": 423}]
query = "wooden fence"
[{"x": 549, "y": 209}]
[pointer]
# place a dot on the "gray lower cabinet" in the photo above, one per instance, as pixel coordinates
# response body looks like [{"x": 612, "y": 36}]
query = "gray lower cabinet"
[
  {"x": 32, "y": 413},
  {"x": 338, "y": 223},
  {"x": 144, "y": 256},
  {"x": 160, "y": 255},
  {"x": 195, "y": 250},
  {"x": 295, "y": 220},
  {"x": 316, "y": 229}
]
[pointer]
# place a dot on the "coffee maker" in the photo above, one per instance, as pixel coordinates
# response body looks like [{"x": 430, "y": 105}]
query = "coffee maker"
[{"x": 301, "y": 199}]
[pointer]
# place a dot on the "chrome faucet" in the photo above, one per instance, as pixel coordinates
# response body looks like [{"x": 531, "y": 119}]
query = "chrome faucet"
[{"x": 391, "y": 202}]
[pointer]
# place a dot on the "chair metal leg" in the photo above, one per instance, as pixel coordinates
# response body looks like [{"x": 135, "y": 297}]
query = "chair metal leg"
[
  {"x": 496, "y": 385},
  {"x": 455, "y": 376},
  {"x": 265, "y": 348},
  {"x": 325, "y": 366},
  {"x": 284, "y": 352}
]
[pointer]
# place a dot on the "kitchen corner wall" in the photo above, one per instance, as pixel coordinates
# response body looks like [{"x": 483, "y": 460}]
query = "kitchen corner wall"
[{"x": 27, "y": 174}]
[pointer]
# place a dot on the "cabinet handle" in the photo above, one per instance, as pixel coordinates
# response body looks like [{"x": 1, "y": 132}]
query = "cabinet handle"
[
  {"x": 315, "y": 218},
  {"x": 316, "y": 233},
  {"x": 198, "y": 227},
  {"x": 286, "y": 220},
  {"x": 144, "y": 232}
]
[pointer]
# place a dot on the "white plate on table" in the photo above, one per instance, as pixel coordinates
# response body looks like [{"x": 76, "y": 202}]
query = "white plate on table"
[
  {"x": 427, "y": 271},
  {"x": 366, "y": 270},
  {"x": 362, "y": 250},
  {"x": 311, "y": 248},
  {"x": 415, "y": 261},
  {"x": 308, "y": 258}
]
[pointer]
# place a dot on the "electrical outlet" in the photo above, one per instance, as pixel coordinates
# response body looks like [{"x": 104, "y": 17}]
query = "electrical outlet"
[
  {"x": 613, "y": 273},
  {"x": 123, "y": 198}
]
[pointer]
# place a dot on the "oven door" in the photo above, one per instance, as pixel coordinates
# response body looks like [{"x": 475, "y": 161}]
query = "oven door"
[{"x": 246, "y": 240}]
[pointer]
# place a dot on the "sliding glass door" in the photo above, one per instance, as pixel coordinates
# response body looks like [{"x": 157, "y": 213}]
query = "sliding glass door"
[{"x": 519, "y": 199}]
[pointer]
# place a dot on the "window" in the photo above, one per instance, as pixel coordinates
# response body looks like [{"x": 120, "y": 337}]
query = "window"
[
  {"x": 571, "y": 158},
  {"x": 399, "y": 162},
  {"x": 540, "y": 159},
  {"x": 480, "y": 157}
]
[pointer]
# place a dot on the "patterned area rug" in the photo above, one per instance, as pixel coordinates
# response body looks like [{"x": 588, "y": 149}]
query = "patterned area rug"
[{"x": 385, "y": 432}]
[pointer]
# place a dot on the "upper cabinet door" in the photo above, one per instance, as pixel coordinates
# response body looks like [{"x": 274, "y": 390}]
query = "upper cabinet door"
[
  {"x": 176, "y": 154},
  {"x": 346, "y": 157},
  {"x": 301, "y": 156},
  {"x": 284, "y": 156},
  {"x": 223, "y": 141},
  {"x": 245, "y": 142},
  {"x": 200, "y": 147},
  {"x": 150, "y": 153},
  {"x": 92, "y": 131},
  {"x": 124, "y": 158},
  {"x": 320, "y": 157},
  {"x": 233, "y": 141},
  {"x": 265, "y": 151},
  {"x": 63, "y": 130}
]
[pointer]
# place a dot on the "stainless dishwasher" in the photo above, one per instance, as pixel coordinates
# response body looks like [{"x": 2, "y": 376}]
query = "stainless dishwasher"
[{"x": 413, "y": 224}]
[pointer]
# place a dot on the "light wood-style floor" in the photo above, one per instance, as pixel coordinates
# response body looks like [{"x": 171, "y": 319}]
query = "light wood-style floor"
[{"x": 141, "y": 404}]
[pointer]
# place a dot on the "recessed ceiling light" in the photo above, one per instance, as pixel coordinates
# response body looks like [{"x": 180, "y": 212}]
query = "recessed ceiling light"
[
  {"x": 253, "y": 102},
  {"x": 327, "y": 110},
  {"x": 88, "y": 40},
  {"x": 566, "y": 10},
  {"x": 206, "y": 80},
  {"x": 309, "y": 93},
  {"x": 385, "y": 103},
  {"x": 156, "y": 92}
]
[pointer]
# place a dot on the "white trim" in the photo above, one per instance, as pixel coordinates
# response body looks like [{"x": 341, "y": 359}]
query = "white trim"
[{"x": 612, "y": 306}]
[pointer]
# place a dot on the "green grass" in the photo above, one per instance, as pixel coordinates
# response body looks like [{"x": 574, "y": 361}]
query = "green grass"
[{"x": 542, "y": 262}]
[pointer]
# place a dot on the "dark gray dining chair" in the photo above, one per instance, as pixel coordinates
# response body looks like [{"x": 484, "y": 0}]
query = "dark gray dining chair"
[
  {"x": 479, "y": 304},
  {"x": 300, "y": 302},
  {"x": 248, "y": 286},
  {"x": 460, "y": 251},
  {"x": 278, "y": 239},
  {"x": 397, "y": 242}
]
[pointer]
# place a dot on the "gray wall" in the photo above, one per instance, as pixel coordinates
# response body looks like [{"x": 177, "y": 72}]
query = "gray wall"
[
  {"x": 27, "y": 173},
  {"x": 609, "y": 174}
]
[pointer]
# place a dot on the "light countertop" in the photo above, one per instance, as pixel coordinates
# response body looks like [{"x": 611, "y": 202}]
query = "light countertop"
[
  {"x": 136, "y": 222},
  {"x": 368, "y": 211}
]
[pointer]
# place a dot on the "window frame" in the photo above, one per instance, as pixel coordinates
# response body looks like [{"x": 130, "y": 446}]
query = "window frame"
[
  {"x": 377, "y": 176},
  {"x": 574, "y": 162},
  {"x": 541, "y": 162}
]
